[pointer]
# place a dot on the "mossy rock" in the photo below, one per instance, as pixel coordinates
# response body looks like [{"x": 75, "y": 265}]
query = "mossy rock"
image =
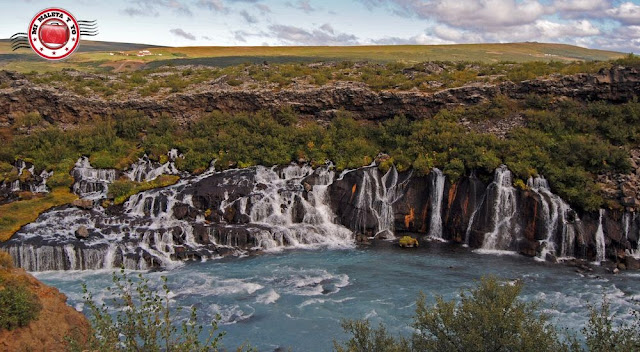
[{"x": 408, "y": 242}]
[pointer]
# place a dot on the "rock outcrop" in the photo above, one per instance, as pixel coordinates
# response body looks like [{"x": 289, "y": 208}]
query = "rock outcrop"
[{"x": 618, "y": 84}]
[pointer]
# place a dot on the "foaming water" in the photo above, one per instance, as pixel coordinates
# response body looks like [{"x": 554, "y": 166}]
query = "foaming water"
[{"x": 296, "y": 299}]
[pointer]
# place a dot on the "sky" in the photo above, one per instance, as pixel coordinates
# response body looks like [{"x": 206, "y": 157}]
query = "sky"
[{"x": 611, "y": 25}]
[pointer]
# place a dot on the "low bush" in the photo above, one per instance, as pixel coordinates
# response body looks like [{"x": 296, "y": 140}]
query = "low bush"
[
  {"x": 492, "y": 317},
  {"x": 18, "y": 304},
  {"x": 140, "y": 318}
]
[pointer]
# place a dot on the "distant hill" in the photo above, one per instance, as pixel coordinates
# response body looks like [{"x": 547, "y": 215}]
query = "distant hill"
[
  {"x": 87, "y": 46},
  {"x": 95, "y": 54}
]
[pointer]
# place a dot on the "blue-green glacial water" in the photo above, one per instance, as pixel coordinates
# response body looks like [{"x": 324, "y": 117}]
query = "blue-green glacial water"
[{"x": 296, "y": 299}]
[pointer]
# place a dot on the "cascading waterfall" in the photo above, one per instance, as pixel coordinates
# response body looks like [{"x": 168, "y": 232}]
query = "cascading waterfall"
[
  {"x": 277, "y": 199},
  {"x": 282, "y": 212},
  {"x": 504, "y": 210},
  {"x": 376, "y": 196},
  {"x": 147, "y": 170},
  {"x": 600, "y": 243},
  {"x": 437, "y": 195},
  {"x": 91, "y": 183},
  {"x": 554, "y": 212},
  {"x": 37, "y": 186}
]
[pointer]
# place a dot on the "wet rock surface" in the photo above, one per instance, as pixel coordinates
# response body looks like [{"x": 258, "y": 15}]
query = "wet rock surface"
[{"x": 246, "y": 211}]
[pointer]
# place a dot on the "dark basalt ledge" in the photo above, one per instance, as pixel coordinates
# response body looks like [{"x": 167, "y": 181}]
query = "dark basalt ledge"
[
  {"x": 618, "y": 84},
  {"x": 412, "y": 214}
]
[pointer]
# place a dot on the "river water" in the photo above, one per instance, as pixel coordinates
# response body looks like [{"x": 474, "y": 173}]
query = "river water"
[{"x": 296, "y": 299}]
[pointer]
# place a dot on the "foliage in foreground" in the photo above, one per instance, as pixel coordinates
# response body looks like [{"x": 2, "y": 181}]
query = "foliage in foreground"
[
  {"x": 18, "y": 304},
  {"x": 141, "y": 319},
  {"x": 490, "y": 317}
]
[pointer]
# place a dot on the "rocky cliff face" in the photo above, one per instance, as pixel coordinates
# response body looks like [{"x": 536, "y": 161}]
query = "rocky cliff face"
[
  {"x": 55, "y": 322},
  {"x": 618, "y": 84},
  {"x": 493, "y": 217}
]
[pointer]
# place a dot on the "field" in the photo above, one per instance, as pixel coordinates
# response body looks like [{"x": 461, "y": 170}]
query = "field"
[{"x": 119, "y": 56}]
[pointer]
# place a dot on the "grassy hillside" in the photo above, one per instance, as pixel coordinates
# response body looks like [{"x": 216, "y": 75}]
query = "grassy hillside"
[{"x": 100, "y": 55}]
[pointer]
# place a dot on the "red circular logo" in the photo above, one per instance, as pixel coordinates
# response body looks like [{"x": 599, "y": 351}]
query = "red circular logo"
[{"x": 54, "y": 33}]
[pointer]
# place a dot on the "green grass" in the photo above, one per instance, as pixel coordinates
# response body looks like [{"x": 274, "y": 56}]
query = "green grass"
[
  {"x": 25, "y": 61},
  {"x": 121, "y": 190},
  {"x": 19, "y": 213}
]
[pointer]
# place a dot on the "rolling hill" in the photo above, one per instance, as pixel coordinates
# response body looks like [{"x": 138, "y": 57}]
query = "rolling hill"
[{"x": 95, "y": 54}]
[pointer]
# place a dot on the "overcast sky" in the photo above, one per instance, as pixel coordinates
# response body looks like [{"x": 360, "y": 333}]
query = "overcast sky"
[{"x": 592, "y": 23}]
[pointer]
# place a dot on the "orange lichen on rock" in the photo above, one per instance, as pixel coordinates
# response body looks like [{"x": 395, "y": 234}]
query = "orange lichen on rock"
[
  {"x": 453, "y": 191},
  {"x": 409, "y": 218}
]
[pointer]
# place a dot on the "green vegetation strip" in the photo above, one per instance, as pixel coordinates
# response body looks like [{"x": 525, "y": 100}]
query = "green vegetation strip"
[
  {"x": 121, "y": 190},
  {"x": 17, "y": 214},
  {"x": 424, "y": 76},
  {"x": 569, "y": 143}
]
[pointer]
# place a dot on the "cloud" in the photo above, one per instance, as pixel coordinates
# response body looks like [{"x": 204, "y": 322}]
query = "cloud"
[
  {"x": 264, "y": 9},
  {"x": 181, "y": 33},
  {"x": 327, "y": 28},
  {"x": 552, "y": 30},
  {"x": 292, "y": 35},
  {"x": 566, "y": 7},
  {"x": 420, "y": 39},
  {"x": 303, "y": 5},
  {"x": 247, "y": 17},
  {"x": 151, "y": 7},
  {"x": 627, "y": 13},
  {"x": 213, "y": 5}
]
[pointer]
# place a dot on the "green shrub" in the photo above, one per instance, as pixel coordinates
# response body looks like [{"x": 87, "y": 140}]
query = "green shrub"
[
  {"x": 454, "y": 170},
  {"x": 603, "y": 335},
  {"x": 141, "y": 319},
  {"x": 489, "y": 317},
  {"x": 6, "y": 262},
  {"x": 18, "y": 304},
  {"x": 29, "y": 120}
]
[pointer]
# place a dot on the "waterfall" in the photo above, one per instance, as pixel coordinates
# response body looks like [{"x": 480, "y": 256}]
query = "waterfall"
[
  {"x": 280, "y": 210},
  {"x": 437, "y": 194},
  {"x": 42, "y": 187},
  {"x": 477, "y": 207},
  {"x": 504, "y": 209},
  {"x": 554, "y": 213},
  {"x": 90, "y": 182},
  {"x": 34, "y": 184},
  {"x": 600, "y": 245},
  {"x": 292, "y": 219},
  {"x": 628, "y": 221},
  {"x": 375, "y": 197},
  {"x": 147, "y": 170}
]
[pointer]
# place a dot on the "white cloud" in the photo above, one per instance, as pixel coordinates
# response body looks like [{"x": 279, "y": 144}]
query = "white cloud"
[
  {"x": 627, "y": 13},
  {"x": 552, "y": 30},
  {"x": 292, "y": 35}
]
